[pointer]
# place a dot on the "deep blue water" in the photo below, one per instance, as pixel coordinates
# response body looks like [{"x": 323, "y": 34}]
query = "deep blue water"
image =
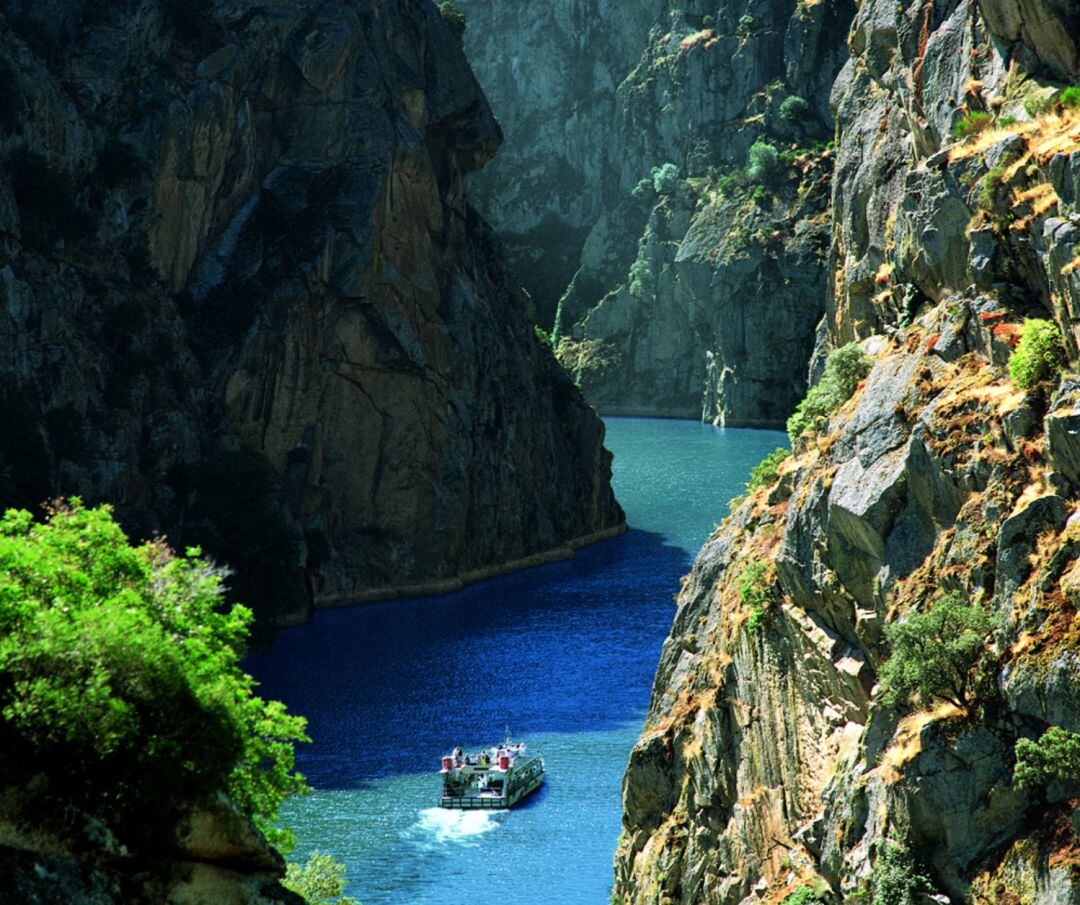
[{"x": 563, "y": 654}]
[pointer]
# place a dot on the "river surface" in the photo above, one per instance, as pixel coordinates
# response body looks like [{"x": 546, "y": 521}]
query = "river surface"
[{"x": 562, "y": 654}]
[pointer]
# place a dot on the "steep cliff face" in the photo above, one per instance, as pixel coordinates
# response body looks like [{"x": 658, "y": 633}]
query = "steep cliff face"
[
  {"x": 770, "y": 763},
  {"x": 663, "y": 314},
  {"x": 248, "y": 301},
  {"x": 551, "y": 72}
]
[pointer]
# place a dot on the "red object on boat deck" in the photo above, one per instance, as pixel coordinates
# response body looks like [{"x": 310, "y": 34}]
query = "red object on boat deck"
[
  {"x": 504, "y": 762},
  {"x": 448, "y": 763}
]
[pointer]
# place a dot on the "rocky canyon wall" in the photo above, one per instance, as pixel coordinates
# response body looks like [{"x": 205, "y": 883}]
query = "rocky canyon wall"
[
  {"x": 245, "y": 298},
  {"x": 771, "y": 765},
  {"x": 666, "y": 312}
]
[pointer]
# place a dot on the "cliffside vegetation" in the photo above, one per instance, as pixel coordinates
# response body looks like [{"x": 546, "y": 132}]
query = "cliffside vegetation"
[
  {"x": 125, "y": 708},
  {"x": 870, "y": 692}
]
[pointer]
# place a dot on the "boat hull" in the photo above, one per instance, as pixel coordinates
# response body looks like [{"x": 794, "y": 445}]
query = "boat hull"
[{"x": 491, "y": 802}]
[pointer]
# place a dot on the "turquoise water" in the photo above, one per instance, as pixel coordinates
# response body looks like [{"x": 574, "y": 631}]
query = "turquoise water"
[{"x": 562, "y": 654}]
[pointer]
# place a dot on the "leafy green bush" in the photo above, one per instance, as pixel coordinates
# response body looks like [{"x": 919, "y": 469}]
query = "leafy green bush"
[
  {"x": 1055, "y": 756},
  {"x": 640, "y": 274},
  {"x": 895, "y": 879},
  {"x": 643, "y": 189},
  {"x": 755, "y": 594},
  {"x": 665, "y": 179},
  {"x": 990, "y": 185},
  {"x": 120, "y": 670},
  {"x": 765, "y": 473},
  {"x": 760, "y": 195},
  {"x": 973, "y": 123},
  {"x": 1039, "y": 356},
  {"x": 1006, "y": 121},
  {"x": 453, "y": 17},
  {"x": 544, "y": 337},
  {"x": 794, "y": 109},
  {"x": 1070, "y": 98},
  {"x": 804, "y": 895},
  {"x": 933, "y": 654},
  {"x": 321, "y": 881},
  {"x": 727, "y": 184},
  {"x": 764, "y": 162},
  {"x": 844, "y": 369},
  {"x": 1038, "y": 105}
]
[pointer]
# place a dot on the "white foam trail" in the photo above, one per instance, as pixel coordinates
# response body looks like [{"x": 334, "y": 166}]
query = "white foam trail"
[{"x": 461, "y": 827}]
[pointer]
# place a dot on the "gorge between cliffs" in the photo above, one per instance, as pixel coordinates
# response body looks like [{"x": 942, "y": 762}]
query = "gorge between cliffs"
[{"x": 691, "y": 388}]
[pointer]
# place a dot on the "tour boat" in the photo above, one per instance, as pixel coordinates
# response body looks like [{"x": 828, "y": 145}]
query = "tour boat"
[{"x": 494, "y": 778}]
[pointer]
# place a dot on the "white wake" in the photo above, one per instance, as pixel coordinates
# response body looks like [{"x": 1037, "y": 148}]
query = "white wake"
[{"x": 448, "y": 827}]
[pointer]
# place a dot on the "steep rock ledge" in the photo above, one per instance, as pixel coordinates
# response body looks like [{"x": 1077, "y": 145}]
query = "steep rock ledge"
[
  {"x": 247, "y": 300},
  {"x": 769, "y": 761}
]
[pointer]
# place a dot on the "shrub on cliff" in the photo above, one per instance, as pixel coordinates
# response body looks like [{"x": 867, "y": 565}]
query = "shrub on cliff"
[
  {"x": 755, "y": 594},
  {"x": 640, "y": 274},
  {"x": 1053, "y": 758},
  {"x": 765, "y": 473},
  {"x": 764, "y": 163},
  {"x": 453, "y": 17},
  {"x": 1039, "y": 356},
  {"x": 1070, "y": 98},
  {"x": 120, "y": 678},
  {"x": 972, "y": 124},
  {"x": 321, "y": 881},
  {"x": 933, "y": 654},
  {"x": 895, "y": 879},
  {"x": 794, "y": 109},
  {"x": 845, "y": 368}
]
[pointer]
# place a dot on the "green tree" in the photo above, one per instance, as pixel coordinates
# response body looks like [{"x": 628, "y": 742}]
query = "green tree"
[
  {"x": 1039, "y": 356},
  {"x": 321, "y": 881},
  {"x": 794, "y": 109},
  {"x": 1055, "y": 756},
  {"x": 120, "y": 669},
  {"x": 933, "y": 654},
  {"x": 665, "y": 179}
]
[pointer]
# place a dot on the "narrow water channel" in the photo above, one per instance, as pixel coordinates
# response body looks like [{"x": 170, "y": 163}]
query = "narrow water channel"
[{"x": 563, "y": 655}]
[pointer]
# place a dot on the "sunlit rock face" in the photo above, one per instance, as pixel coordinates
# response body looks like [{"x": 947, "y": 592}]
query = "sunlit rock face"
[
  {"x": 249, "y": 302},
  {"x": 769, "y": 761}
]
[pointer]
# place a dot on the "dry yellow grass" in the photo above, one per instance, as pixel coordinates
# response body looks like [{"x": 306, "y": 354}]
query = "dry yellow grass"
[{"x": 907, "y": 740}]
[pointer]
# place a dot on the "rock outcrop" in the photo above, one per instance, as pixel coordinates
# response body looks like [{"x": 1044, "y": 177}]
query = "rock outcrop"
[
  {"x": 770, "y": 764},
  {"x": 246, "y": 299},
  {"x": 51, "y": 852}
]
